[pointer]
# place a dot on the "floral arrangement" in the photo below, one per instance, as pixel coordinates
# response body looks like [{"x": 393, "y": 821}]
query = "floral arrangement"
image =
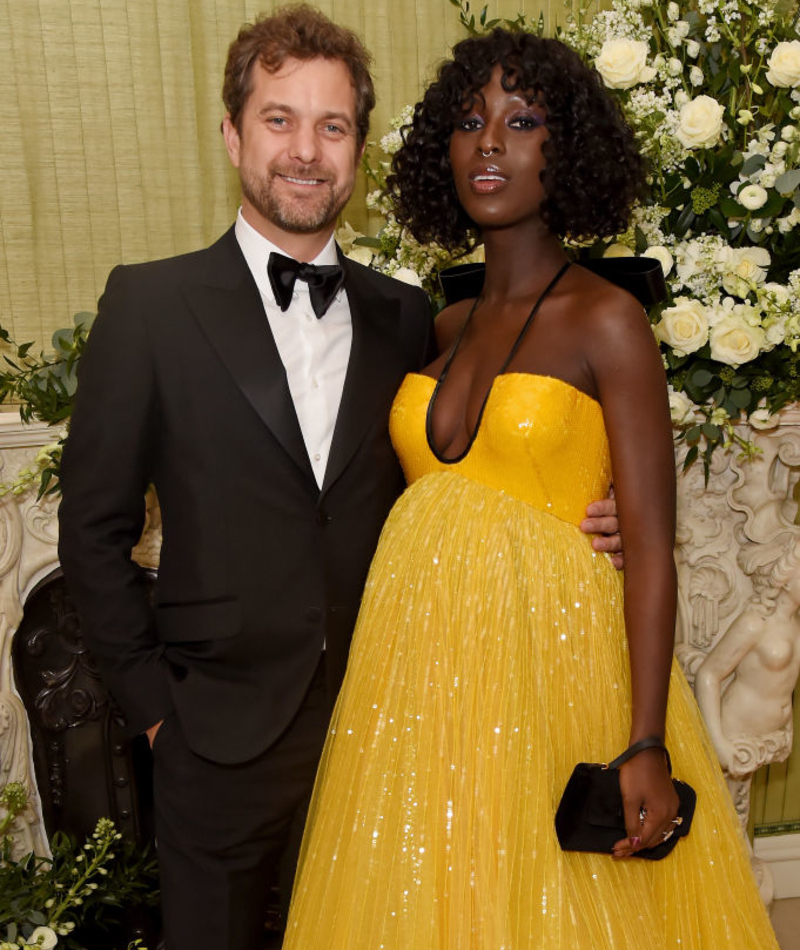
[
  {"x": 712, "y": 90},
  {"x": 61, "y": 900},
  {"x": 44, "y": 387}
]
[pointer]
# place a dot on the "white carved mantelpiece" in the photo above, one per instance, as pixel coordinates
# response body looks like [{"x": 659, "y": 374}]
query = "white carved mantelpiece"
[
  {"x": 28, "y": 552},
  {"x": 736, "y": 545},
  {"x": 738, "y": 635}
]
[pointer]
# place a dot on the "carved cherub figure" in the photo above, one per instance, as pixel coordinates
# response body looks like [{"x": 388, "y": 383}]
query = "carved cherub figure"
[{"x": 750, "y": 721}]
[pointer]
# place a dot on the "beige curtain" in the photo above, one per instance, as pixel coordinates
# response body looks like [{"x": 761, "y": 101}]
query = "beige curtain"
[{"x": 110, "y": 148}]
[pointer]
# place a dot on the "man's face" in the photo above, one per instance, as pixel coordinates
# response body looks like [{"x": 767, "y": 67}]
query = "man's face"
[{"x": 296, "y": 148}]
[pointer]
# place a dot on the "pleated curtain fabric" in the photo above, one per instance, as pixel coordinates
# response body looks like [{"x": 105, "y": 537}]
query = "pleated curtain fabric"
[{"x": 110, "y": 147}]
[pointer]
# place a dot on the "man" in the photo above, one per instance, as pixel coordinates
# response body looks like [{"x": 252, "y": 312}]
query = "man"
[{"x": 264, "y": 431}]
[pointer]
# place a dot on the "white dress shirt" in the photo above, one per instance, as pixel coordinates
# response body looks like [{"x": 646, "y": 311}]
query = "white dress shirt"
[{"x": 314, "y": 352}]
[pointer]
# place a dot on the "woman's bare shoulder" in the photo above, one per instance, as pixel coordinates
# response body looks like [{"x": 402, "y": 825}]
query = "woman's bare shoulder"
[{"x": 450, "y": 321}]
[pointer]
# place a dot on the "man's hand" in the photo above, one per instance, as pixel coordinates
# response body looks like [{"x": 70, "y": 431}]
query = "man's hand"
[
  {"x": 601, "y": 520},
  {"x": 152, "y": 732}
]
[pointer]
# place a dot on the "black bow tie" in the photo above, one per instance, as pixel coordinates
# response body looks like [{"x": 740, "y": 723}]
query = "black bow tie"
[{"x": 324, "y": 281}]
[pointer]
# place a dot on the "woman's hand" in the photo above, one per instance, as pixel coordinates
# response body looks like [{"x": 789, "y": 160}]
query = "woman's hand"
[{"x": 650, "y": 802}]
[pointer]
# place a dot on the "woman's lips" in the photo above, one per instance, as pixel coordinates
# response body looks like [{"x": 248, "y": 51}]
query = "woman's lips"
[{"x": 487, "y": 179}]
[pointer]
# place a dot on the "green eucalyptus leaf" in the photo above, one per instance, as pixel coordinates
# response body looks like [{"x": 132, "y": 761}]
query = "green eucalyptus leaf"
[
  {"x": 700, "y": 376},
  {"x": 740, "y": 398},
  {"x": 788, "y": 182},
  {"x": 753, "y": 164}
]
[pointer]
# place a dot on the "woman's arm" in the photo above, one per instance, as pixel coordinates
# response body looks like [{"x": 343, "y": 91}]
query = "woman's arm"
[{"x": 629, "y": 375}]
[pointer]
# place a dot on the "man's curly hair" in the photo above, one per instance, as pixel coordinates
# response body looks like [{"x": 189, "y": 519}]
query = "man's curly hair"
[{"x": 593, "y": 170}]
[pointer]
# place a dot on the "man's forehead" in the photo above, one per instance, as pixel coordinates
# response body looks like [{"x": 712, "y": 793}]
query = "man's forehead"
[{"x": 319, "y": 84}]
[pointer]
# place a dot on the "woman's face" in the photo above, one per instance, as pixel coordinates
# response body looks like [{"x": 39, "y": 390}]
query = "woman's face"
[{"x": 496, "y": 156}]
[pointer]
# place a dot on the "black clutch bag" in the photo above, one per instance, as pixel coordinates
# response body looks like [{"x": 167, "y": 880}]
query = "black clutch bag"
[{"x": 590, "y": 815}]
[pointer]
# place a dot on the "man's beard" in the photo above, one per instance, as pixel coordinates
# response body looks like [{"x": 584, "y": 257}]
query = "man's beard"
[{"x": 290, "y": 213}]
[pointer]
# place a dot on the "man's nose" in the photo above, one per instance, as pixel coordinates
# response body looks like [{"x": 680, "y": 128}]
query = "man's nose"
[{"x": 305, "y": 145}]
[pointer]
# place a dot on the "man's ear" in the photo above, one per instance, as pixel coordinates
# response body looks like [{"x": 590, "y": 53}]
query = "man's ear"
[{"x": 233, "y": 142}]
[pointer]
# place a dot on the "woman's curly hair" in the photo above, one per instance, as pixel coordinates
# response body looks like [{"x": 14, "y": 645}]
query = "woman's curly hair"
[{"x": 593, "y": 170}]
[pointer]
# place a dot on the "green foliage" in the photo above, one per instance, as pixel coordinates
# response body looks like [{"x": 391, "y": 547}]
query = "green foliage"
[
  {"x": 77, "y": 893},
  {"x": 43, "y": 386}
]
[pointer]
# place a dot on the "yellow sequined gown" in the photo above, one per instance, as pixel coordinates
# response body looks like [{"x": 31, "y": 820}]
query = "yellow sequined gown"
[{"x": 489, "y": 658}]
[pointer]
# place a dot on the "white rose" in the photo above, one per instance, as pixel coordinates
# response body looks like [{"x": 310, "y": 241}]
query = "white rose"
[
  {"x": 659, "y": 253},
  {"x": 696, "y": 76},
  {"x": 779, "y": 149},
  {"x": 682, "y": 26},
  {"x": 762, "y": 419},
  {"x": 407, "y": 276},
  {"x": 363, "y": 255},
  {"x": 618, "y": 250},
  {"x": 784, "y": 65},
  {"x": 44, "y": 937},
  {"x": 789, "y": 133},
  {"x": 681, "y": 408},
  {"x": 752, "y": 197},
  {"x": 684, "y": 326},
  {"x": 681, "y": 98},
  {"x": 735, "y": 342},
  {"x": 700, "y": 122},
  {"x": 674, "y": 37},
  {"x": 623, "y": 63},
  {"x": 673, "y": 11},
  {"x": 692, "y": 48}
]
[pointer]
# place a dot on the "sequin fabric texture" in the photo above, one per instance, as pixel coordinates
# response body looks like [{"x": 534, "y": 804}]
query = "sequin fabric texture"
[{"x": 489, "y": 658}]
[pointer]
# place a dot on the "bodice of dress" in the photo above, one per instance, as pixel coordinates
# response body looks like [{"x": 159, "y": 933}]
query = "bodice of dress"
[{"x": 540, "y": 440}]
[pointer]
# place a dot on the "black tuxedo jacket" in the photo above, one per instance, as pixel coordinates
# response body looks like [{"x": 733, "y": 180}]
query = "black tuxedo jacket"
[{"x": 181, "y": 386}]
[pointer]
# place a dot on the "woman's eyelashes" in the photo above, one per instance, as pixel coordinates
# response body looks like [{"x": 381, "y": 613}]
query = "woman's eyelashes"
[{"x": 524, "y": 122}]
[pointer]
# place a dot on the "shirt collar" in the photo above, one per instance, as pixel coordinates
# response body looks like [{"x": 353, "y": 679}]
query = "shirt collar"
[{"x": 256, "y": 250}]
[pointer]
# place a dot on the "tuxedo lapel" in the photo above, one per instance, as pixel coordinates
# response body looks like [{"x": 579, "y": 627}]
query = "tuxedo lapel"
[
  {"x": 228, "y": 307},
  {"x": 370, "y": 383}
]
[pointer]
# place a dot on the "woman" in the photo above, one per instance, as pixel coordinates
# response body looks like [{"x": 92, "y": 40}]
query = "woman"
[{"x": 491, "y": 652}]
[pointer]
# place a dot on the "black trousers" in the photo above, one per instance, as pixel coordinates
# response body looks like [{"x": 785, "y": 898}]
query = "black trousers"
[{"x": 225, "y": 833}]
